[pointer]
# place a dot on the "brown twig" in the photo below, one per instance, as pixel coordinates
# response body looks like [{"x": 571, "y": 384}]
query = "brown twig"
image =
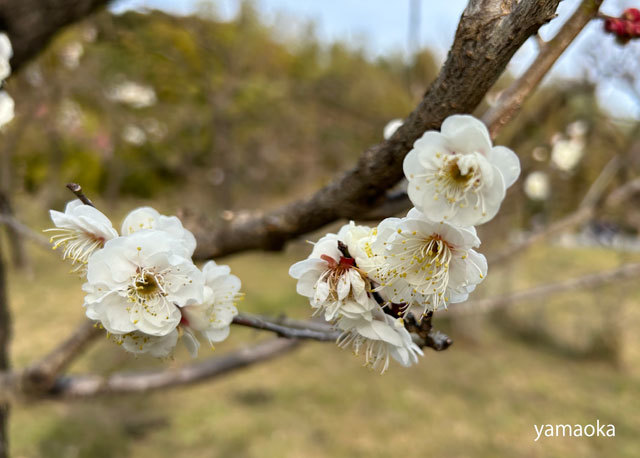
[
  {"x": 256, "y": 322},
  {"x": 41, "y": 376},
  {"x": 511, "y": 100},
  {"x": 428, "y": 337},
  {"x": 488, "y": 35},
  {"x": 585, "y": 282},
  {"x": 77, "y": 190}
]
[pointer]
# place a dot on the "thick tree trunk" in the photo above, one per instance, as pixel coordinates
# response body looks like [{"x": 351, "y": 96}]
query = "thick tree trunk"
[{"x": 30, "y": 24}]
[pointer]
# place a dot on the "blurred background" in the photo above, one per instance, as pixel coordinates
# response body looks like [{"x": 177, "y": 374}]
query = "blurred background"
[{"x": 208, "y": 108}]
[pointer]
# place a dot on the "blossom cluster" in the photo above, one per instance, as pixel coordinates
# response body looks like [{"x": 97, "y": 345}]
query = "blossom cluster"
[
  {"x": 366, "y": 280},
  {"x": 6, "y": 102},
  {"x": 142, "y": 285},
  {"x": 625, "y": 27}
]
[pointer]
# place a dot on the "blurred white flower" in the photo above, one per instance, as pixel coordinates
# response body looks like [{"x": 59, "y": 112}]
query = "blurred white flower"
[
  {"x": 457, "y": 175},
  {"x": 378, "y": 339},
  {"x": 537, "y": 186},
  {"x": 426, "y": 264},
  {"x": 34, "y": 75},
  {"x": 6, "y": 52},
  {"x": 6, "y": 108},
  {"x": 149, "y": 218},
  {"x": 133, "y": 94},
  {"x": 577, "y": 129},
  {"x": 391, "y": 128},
  {"x": 70, "y": 116},
  {"x": 71, "y": 54},
  {"x": 89, "y": 33},
  {"x": 540, "y": 153},
  {"x": 80, "y": 230},
  {"x": 134, "y": 135},
  {"x": 332, "y": 282},
  {"x": 155, "y": 128},
  {"x": 566, "y": 154},
  {"x": 138, "y": 283}
]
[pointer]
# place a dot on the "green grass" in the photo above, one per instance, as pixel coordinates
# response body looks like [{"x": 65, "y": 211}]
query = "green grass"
[{"x": 479, "y": 398}]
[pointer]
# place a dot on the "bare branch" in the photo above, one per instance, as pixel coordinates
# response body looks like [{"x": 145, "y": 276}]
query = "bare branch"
[
  {"x": 581, "y": 215},
  {"x": 86, "y": 386},
  {"x": 42, "y": 375},
  {"x": 77, "y": 190},
  {"x": 512, "y": 98},
  {"x": 585, "y": 282},
  {"x": 488, "y": 35},
  {"x": 572, "y": 220},
  {"x": 25, "y": 230},
  {"x": 596, "y": 190},
  {"x": 328, "y": 334}
]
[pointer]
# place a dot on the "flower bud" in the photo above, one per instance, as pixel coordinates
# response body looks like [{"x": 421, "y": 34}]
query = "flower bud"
[
  {"x": 631, "y": 14},
  {"x": 614, "y": 25}
]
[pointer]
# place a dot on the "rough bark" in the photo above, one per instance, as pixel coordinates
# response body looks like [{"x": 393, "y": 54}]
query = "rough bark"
[
  {"x": 488, "y": 35},
  {"x": 30, "y": 24}
]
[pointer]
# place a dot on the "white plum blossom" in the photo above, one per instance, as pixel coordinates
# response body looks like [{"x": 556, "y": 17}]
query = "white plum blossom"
[
  {"x": 537, "y": 186},
  {"x": 6, "y": 102},
  {"x": 424, "y": 263},
  {"x": 142, "y": 286},
  {"x": 133, "y": 94},
  {"x": 379, "y": 339},
  {"x": 391, "y": 128},
  {"x": 457, "y": 175},
  {"x": 80, "y": 231},
  {"x": 567, "y": 153},
  {"x": 6, "y": 52},
  {"x": 7, "y": 107},
  {"x": 213, "y": 317},
  {"x": 158, "y": 346},
  {"x": 134, "y": 135},
  {"x": 149, "y": 218},
  {"x": 334, "y": 285},
  {"x": 139, "y": 282}
]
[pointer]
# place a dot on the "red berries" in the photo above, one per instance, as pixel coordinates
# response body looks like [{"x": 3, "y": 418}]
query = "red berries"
[{"x": 626, "y": 27}]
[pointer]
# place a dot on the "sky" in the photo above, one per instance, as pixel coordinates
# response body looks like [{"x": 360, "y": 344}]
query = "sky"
[{"x": 381, "y": 28}]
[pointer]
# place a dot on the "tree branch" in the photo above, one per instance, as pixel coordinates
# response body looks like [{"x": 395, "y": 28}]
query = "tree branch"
[
  {"x": 585, "y": 282},
  {"x": 42, "y": 375},
  {"x": 252, "y": 321},
  {"x": 25, "y": 230},
  {"x": 511, "y": 100},
  {"x": 585, "y": 211},
  {"x": 489, "y": 33},
  {"x": 86, "y": 386},
  {"x": 77, "y": 190},
  {"x": 31, "y": 24}
]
